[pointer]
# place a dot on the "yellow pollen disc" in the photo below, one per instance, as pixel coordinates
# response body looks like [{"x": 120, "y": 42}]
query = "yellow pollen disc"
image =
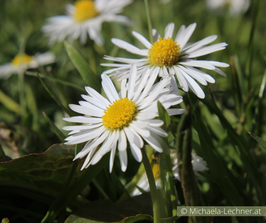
[
  {"x": 84, "y": 9},
  {"x": 21, "y": 59},
  {"x": 120, "y": 114},
  {"x": 164, "y": 52}
]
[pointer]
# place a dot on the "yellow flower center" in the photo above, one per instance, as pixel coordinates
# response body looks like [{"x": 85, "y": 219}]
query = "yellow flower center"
[
  {"x": 21, "y": 59},
  {"x": 164, "y": 52},
  {"x": 84, "y": 9},
  {"x": 120, "y": 114},
  {"x": 155, "y": 166}
]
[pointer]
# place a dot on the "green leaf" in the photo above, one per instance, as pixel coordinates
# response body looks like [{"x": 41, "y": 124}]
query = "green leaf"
[
  {"x": 59, "y": 134},
  {"x": 132, "y": 210},
  {"x": 163, "y": 115},
  {"x": 67, "y": 110},
  {"x": 74, "y": 190},
  {"x": 215, "y": 164},
  {"x": 189, "y": 184},
  {"x": 138, "y": 218},
  {"x": 9, "y": 103},
  {"x": 259, "y": 140},
  {"x": 236, "y": 85},
  {"x": 82, "y": 66},
  {"x": 56, "y": 80},
  {"x": 41, "y": 172},
  {"x": 237, "y": 141}
]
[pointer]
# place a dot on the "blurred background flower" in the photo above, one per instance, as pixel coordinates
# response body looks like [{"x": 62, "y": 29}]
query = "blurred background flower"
[
  {"x": 22, "y": 62},
  {"x": 235, "y": 6},
  {"x": 142, "y": 185},
  {"x": 84, "y": 18}
]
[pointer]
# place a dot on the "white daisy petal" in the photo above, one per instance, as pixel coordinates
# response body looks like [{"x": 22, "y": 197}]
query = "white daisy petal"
[
  {"x": 182, "y": 81},
  {"x": 123, "y": 160},
  {"x": 109, "y": 88},
  {"x": 155, "y": 35},
  {"x": 128, "y": 47},
  {"x": 155, "y": 123},
  {"x": 85, "y": 111},
  {"x": 131, "y": 82},
  {"x": 122, "y": 143},
  {"x": 195, "y": 75},
  {"x": 199, "y": 44},
  {"x": 169, "y": 29},
  {"x": 158, "y": 131},
  {"x": 83, "y": 127},
  {"x": 97, "y": 96},
  {"x": 136, "y": 152},
  {"x": 82, "y": 119},
  {"x": 158, "y": 146},
  {"x": 185, "y": 35},
  {"x": 93, "y": 101},
  {"x": 207, "y": 50},
  {"x": 220, "y": 72},
  {"x": 142, "y": 39},
  {"x": 194, "y": 86},
  {"x": 196, "y": 63},
  {"x": 175, "y": 111}
]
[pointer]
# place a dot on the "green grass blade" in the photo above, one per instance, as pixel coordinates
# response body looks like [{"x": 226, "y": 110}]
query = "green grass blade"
[
  {"x": 56, "y": 130},
  {"x": 83, "y": 67},
  {"x": 67, "y": 110},
  {"x": 9, "y": 103},
  {"x": 261, "y": 142},
  {"x": 55, "y": 80}
]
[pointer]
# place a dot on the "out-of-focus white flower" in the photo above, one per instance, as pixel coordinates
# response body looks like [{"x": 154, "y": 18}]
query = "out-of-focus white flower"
[
  {"x": 235, "y": 6},
  {"x": 165, "y": 1},
  {"x": 175, "y": 57},
  {"x": 84, "y": 18},
  {"x": 198, "y": 165},
  {"x": 124, "y": 119},
  {"x": 22, "y": 62}
]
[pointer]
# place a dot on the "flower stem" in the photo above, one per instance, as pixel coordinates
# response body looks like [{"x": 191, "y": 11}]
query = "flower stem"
[
  {"x": 154, "y": 194},
  {"x": 149, "y": 19},
  {"x": 22, "y": 93}
]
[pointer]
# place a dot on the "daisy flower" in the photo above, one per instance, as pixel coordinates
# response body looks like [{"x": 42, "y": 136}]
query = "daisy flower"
[
  {"x": 22, "y": 62},
  {"x": 175, "y": 57},
  {"x": 122, "y": 119},
  {"x": 84, "y": 18},
  {"x": 235, "y": 6},
  {"x": 198, "y": 165}
]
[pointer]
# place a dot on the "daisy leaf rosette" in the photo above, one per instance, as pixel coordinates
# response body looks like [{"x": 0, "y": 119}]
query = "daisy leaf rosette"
[
  {"x": 175, "y": 57},
  {"x": 124, "y": 119},
  {"x": 84, "y": 18},
  {"x": 22, "y": 62}
]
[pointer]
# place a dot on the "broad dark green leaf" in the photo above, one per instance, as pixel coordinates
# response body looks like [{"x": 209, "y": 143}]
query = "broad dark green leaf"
[
  {"x": 41, "y": 172},
  {"x": 132, "y": 210}
]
